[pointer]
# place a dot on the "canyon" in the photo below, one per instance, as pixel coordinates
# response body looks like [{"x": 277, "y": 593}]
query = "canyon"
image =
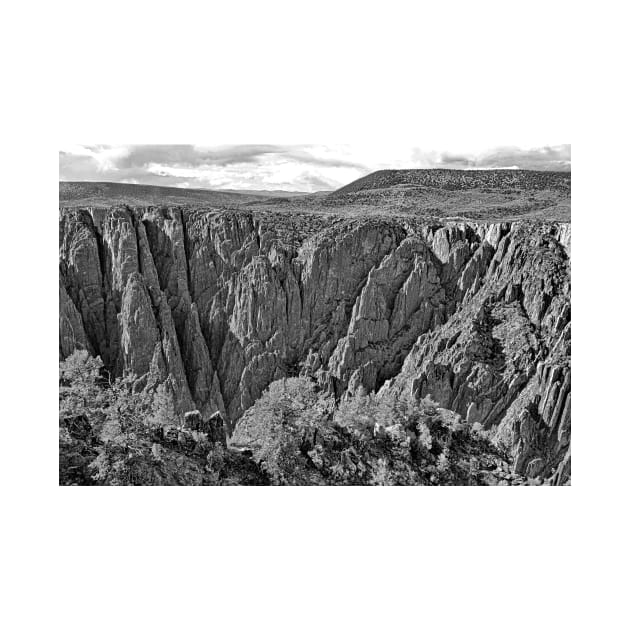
[{"x": 218, "y": 303}]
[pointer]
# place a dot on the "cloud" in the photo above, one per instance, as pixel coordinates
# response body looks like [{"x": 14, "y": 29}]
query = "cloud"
[
  {"x": 189, "y": 156},
  {"x": 305, "y": 167},
  {"x": 556, "y": 158},
  {"x": 312, "y": 182}
]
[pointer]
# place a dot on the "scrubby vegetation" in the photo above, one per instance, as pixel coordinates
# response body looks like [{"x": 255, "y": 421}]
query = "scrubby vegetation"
[
  {"x": 433, "y": 194},
  {"x": 298, "y": 436},
  {"x": 112, "y": 433}
]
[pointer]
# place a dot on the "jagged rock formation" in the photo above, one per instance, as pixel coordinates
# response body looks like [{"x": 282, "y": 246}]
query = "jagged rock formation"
[
  {"x": 219, "y": 304},
  {"x": 503, "y": 359}
]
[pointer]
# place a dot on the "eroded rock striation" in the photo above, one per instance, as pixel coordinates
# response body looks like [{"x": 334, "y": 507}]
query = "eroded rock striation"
[{"x": 219, "y": 304}]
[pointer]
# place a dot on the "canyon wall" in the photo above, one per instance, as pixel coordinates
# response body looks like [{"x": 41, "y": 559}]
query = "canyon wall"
[{"x": 220, "y": 304}]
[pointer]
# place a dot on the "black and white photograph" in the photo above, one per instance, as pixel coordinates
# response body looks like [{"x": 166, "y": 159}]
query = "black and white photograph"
[
  {"x": 324, "y": 297},
  {"x": 314, "y": 315}
]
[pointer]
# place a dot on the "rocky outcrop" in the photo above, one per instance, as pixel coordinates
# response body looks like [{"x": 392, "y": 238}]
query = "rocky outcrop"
[
  {"x": 503, "y": 357},
  {"x": 537, "y": 427},
  {"x": 220, "y": 304},
  {"x": 71, "y": 332}
]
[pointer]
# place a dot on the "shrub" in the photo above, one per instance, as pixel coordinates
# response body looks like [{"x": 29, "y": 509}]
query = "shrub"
[
  {"x": 389, "y": 439},
  {"x": 116, "y": 433},
  {"x": 281, "y": 428}
]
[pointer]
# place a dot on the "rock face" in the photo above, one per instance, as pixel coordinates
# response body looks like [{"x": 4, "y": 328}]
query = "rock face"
[{"x": 220, "y": 304}]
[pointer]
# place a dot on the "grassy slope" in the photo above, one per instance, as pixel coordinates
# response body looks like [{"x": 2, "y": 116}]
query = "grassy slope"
[
  {"x": 106, "y": 194},
  {"x": 437, "y": 194}
]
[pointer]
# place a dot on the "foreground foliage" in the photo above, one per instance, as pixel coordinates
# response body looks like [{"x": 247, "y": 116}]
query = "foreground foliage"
[
  {"x": 111, "y": 433},
  {"x": 299, "y": 437}
]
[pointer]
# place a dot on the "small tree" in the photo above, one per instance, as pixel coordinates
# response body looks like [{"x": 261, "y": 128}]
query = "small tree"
[{"x": 80, "y": 381}]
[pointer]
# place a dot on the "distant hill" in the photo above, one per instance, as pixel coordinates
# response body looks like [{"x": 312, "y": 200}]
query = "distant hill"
[
  {"x": 475, "y": 195},
  {"x": 435, "y": 194},
  {"x": 106, "y": 194},
  {"x": 449, "y": 179},
  {"x": 269, "y": 193}
]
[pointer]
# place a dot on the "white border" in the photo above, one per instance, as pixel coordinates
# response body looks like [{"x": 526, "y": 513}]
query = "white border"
[{"x": 490, "y": 72}]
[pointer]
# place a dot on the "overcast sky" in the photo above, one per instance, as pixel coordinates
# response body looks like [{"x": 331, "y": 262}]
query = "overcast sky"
[{"x": 308, "y": 167}]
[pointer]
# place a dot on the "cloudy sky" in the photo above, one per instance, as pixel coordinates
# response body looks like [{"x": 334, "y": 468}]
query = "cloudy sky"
[{"x": 307, "y": 167}]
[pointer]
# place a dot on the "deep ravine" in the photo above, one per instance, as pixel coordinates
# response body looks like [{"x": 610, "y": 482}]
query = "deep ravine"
[{"x": 220, "y": 304}]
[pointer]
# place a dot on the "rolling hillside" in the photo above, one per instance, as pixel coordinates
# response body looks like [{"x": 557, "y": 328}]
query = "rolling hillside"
[
  {"x": 436, "y": 194},
  {"x": 449, "y": 179},
  {"x": 107, "y": 194}
]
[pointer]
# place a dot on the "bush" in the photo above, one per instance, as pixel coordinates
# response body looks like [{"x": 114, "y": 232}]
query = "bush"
[
  {"x": 115, "y": 433},
  {"x": 298, "y": 437},
  {"x": 281, "y": 428}
]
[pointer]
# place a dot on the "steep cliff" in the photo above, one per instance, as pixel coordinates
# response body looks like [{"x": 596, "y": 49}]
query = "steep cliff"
[{"x": 219, "y": 304}]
